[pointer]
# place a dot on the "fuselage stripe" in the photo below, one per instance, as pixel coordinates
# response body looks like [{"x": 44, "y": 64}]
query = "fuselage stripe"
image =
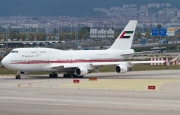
[{"x": 64, "y": 61}]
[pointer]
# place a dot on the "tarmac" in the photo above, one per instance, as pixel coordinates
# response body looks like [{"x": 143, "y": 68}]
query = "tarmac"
[{"x": 110, "y": 94}]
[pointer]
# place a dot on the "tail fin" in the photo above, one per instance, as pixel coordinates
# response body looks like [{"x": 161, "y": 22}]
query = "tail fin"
[{"x": 124, "y": 41}]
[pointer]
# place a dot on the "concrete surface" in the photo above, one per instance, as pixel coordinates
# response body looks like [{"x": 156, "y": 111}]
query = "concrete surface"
[{"x": 111, "y": 94}]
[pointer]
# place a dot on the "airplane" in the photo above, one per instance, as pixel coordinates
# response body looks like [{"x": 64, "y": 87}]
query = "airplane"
[{"x": 75, "y": 63}]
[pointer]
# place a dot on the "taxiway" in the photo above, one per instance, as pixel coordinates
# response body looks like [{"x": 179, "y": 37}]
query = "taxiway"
[{"x": 111, "y": 94}]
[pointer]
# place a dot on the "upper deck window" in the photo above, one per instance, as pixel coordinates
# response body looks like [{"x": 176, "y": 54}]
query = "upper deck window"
[
  {"x": 42, "y": 51},
  {"x": 34, "y": 52},
  {"x": 14, "y": 51}
]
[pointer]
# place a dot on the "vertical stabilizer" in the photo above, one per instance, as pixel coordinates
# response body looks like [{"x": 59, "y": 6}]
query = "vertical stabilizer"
[{"x": 124, "y": 40}]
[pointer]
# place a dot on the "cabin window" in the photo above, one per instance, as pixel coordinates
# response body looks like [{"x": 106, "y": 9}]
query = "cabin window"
[
  {"x": 14, "y": 51},
  {"x": 42, "y": 51},
  {"x": 34, "y": 52}
]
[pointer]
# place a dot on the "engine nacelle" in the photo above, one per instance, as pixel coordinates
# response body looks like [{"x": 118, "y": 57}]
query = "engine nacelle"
[
  {"x": 80, "y": 71},
  {"x": 121, "y": 69}
]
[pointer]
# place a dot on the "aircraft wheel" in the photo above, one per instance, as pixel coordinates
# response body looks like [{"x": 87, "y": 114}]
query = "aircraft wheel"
[
  {"x": 75, "y": 76},
  {"x": 129, "y": 68},
  {"x": 50, "y": 75},
  {"x": 18, "y": 76},
  {"x": 66, "y": 76},
  {"x": 56, "y": 75}
]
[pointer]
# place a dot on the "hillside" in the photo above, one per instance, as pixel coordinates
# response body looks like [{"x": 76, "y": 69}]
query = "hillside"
[{"x": 78, "y": 8}]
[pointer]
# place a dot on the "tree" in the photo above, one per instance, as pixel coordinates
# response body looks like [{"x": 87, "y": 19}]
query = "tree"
[
  {"x": 150, "y": 27},
  {"x": 21, "y": 36},
  {"x": 63, "y": 36},
  {"x": 12, "y": 35},
  {"x": 159, "y": 26},
  {"x": 83, "y": 32},
  {"x": 147, "y": 35},
  {"x": 31, "y": 37},
  {"x": 41, "y": 37},
  {"x": 138, "y": 35}
]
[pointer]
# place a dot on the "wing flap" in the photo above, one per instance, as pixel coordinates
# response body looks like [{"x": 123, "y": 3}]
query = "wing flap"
[
  {"x": 125, "y": 63},
  {"x": 146, "y": 62}
]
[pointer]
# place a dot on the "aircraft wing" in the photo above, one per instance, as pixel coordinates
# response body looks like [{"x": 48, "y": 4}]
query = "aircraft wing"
[
  {"x": 128, "y": 63},
  {"x": 143, "y": 52},
  {"x": 98, "y": 64},
  {"x": 146, "y": 62},
  {"x": 137, "y": 53}
]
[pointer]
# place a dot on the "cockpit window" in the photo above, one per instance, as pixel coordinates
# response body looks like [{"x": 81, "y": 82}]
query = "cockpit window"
[{"x": 14, "y": 51}]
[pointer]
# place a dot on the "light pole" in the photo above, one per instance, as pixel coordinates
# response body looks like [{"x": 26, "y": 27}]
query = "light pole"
[
  {"x": 71, "y": 33},
  {"x": 75, "y": 35},
  {"x": 47, "y": 34},
  {"x": 6, "y": 37},
  {"x": 58, "y": 31},
  {"x": 61, "y": 29}
]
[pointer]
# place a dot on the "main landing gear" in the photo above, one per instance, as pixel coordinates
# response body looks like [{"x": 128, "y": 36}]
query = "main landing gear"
[
  {"x": 18, "y": 75},
  {"x": 72, "y": 76},
  {"x": 53, "y": 75}
]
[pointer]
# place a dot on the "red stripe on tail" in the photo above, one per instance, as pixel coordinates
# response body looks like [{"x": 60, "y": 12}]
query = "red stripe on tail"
[{"x": 122, "y": 35}]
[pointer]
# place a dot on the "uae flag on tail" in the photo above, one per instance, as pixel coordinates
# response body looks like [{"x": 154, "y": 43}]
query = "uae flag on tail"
[{"x": 126, "y": 34}]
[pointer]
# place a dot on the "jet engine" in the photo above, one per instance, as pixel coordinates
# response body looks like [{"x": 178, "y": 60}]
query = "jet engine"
[
  {"x": 80, "y": 71},
  {"x": 121, "y": 69}
]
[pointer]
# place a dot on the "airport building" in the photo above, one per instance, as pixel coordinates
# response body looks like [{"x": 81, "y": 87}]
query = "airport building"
[{"x": 102, "y": 33}]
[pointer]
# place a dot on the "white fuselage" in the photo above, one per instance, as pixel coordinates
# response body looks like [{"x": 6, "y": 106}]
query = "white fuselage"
[
  {"x": 73, "y": 62},
  {"x": 40, "y": 59}
]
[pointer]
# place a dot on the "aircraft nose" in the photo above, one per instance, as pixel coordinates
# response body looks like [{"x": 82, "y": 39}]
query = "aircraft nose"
[{"x": 4, "y": 62}]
